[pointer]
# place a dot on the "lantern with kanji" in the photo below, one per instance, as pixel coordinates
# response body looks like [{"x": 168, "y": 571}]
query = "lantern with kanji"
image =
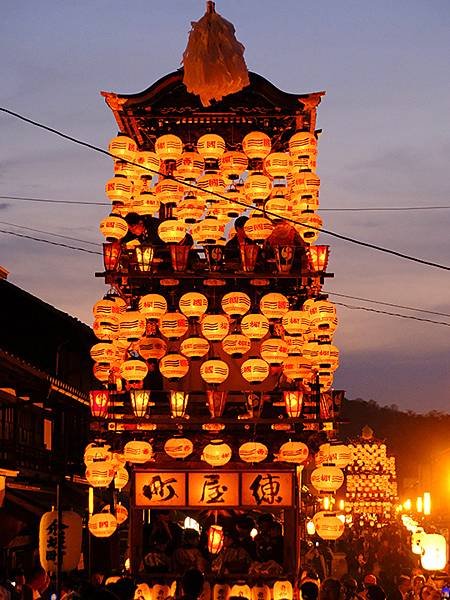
[
  {"x": 168, "y": 147},
  {"x": 173, "y": 366},
  {"x": 274, "y": 305},
  {"x": 215, "y": 327},
  {"x": 236, "y": 345},
  {"x": 69, "y": 530},
  {"x": 138, "y": 451},
  {"x": 193, "y": 304},
  {"x": 255, "y": 370},
  {"x": 255, "y": 326},
  {"x": 217, "y": 453},
  {"x": 236, "y": 304},
  {"x": 121, "y": 478},
  {"x": 173, "y": 325},
  {"x": 178, "y": 447},
  {"x": 194, "y": 347},
  {"x": 153, "y": 306},
  {"x": 102, "y": 524},
  {"x": 282, "y": 590},
  {"x": 253, "y": 452},
  {"x": 133, "y": 370},
  {"x": 256, "y": 144},
  {"x": 100, "y": 474},
  {"x": 293, "y": 452},
  {"x": 327, "y": 478},
  {"x": 214, "y": 371},
  {"x": 274, "y": 351},
  {"x": 328, "y": 525}
]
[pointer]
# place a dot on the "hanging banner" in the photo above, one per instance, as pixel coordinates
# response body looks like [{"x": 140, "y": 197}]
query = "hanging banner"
[
  {"x": 213, "y": 489},
  {"x": 158, "y": 490},
  {"x": 69, "y": 532},
  {"x": 267, "y": 489}
]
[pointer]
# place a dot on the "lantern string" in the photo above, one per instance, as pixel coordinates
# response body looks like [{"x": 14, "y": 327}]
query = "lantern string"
[{"x": 196, "y": 187}]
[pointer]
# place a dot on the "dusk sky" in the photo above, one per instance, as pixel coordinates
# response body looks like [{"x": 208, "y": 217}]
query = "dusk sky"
[{"x": 385, "y": 143}]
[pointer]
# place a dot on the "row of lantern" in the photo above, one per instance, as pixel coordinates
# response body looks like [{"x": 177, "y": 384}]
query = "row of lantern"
[
  {"x": 281, "y": 590},
  {"x": 431, "y": 547}
]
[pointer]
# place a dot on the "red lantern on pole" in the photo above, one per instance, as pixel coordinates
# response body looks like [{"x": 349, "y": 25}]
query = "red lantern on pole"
[
  {"x": 99, "y": 401},
  {"x": 293, "y": 401},
  {"x": 215, "y": 539},
  {"x": 112, "y": 252}
]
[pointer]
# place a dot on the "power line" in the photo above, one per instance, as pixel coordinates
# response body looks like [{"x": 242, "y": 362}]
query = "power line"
[
  {"x": 54, "y": 201},
  {"x": 66, "y": 237},
  {"x": 193, "y": 186},
  {"x": 383, "y": 312},
  {"x": 29, "y": 237},
  {"x": 334, "y": 209},
  {"x": 430, "y": 312}
]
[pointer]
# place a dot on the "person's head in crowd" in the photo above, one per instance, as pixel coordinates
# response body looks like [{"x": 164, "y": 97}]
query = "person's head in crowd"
[
  {"x": 239, "y": 227},
  {"x": 310, "y": 575},
  {"x": 135, "y": 223},
  {"x": 265, "y": 522},
  {"x": 244, "y": 526},
  {"x": 309, "y": 590},
  {"x": 370, "y": 579},
  {"x": 276, "y": 530},
  {"x": 330, "y": 589},
  {"x": 418, "y": 582},
  {"x": 124, "y": 588},
  {"x": 191, "y": 537},
  {"x": 375, "y": 592},
  {"x": 350, "y": 586},
  {"x": 404, "y": 584},
  {"x": 192, "y": 583}
]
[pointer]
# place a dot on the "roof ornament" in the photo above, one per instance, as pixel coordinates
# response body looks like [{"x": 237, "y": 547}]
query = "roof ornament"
[{"x": 213, "y": 61}]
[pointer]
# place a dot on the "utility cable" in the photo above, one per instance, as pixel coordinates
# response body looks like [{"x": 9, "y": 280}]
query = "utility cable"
[
  {"x": 430, "y": 312},
  {"x": 66, "y": 237},
  {"x": 29, "y": 237},
  {"x": 193, "y": 186},
  {"x": 383, "y": 312},
  {"x": 328, "y": 209}
]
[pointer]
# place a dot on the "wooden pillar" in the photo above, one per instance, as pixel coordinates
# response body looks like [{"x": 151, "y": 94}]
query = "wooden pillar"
[{"x": 135, "y": 531}]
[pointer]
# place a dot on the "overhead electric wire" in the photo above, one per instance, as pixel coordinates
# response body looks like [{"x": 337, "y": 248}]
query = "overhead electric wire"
[
  {"x": 29, "y": 237},
  {"x": 66, "y": 237},
  {"x": 55, "y": 201},
  {"x": 335, "y": 209},
  {"x": 193, "y": 186},
  {"x": 384, "y": 312},
  {"x": 430, "y": 312}
]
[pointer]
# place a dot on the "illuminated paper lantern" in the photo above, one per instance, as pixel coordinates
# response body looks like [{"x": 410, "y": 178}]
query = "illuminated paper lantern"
[
  {"x": 107, "y": 328},
  {"x": 434, "y": 556},
  {"x": 233, "y": 164},
  {"x": 417, "y": 539},
  {"x": 215, "y": 539},
  {"x": 178, "y": 403},
  {"x": 253, "y": 452},
  {"x": 105, "y": 353},
  {"x": 274, "y": 305},
  {"x": 100, "y": 474},
  {"x": 296, "y": 322},
  {"x": 328, "y": 525},
  {"x": 99, "y": 401},
  {"x": 121, "y": 513},
  {"x": 318, "y": 258},
  {"x": 190, "y": 165},
  {"x": 173, "y": 325},
  {"x": 122, "y": 147},
  {"x": 327, "y": 478},
  {"x": 208, "y": 231},
  {"x": 302, "y": 142},
  {"x": 111, "y": 305},
  {"x": 214, "y": 371},
  {"x": 255, "y": 326},
  {"x": 257, "y": 187},
  {"x": 323, "y": 315},
  {"x": 173, "y": 366},
  {"x": 293, "y": 452},
  {"x": 274, "y": 351},
  {"x": 172, "y": 231},
  {"x": 295, "y": 344},
  {"x": 95, "y": 453},
  {"x": 216, "y": 402},
  {"x": 282, "y": 590},
  {"x": 336, "y": 454},
  {"x": 153, "y": 306},
  {"x": 152, "y": 348},
  {"x": 190, "y": 209},
  {"x": 70, "y": 532},
  {"x": 121, "y": 478},
  {"x": 255, "y": 370},
  {"x": 113, "y": 227},
  {"x": 309, "y": 227},
  {"x": 236, "y": 345},
  {"x": 211, "y": 146},
  {"x": 138, "y": 451},
  {"x": 193, "y": 304},
  {"x": 119, "y": 190},
  {"x": 236, "y": 304},
  {"x": 258, "y": 229},
  {"x": 102, "y": 524},
  {"x": 217, "y": 453},
  {"x": 297, "y": 367},
  {"x": 194, "y": 347},
  {"x": 324, "y": 356},
  {"x": 178, "y": 447},
  {"x": 241, "y": 590},
  {"x": 256, "y": 144},
  {"x": 168, "y": 147},
  {"x": 132, "y": 325},
  {"x": 144, "y": 257},
  {"x": 148, "y": 162},
  {"x": 277, "y": 164},
  {"x": 133, "y": 370},
  {"x": 261, "y": 592},
  {"x": 143, "y": 592},
  {"x": 215, "y": 327},
  {"x": 112, "y": 252},
  {"x": 168, "y": 192}
]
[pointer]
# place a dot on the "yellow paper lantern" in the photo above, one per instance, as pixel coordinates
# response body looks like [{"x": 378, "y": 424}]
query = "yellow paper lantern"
[
  {"x": 148, "y": 163},
  {"x": 274, "y": 351},
  {"x": 208, "y": 231},
  {"x": 190, "y": 165},
  {"x": 293, "y": 452},
  {"x": 121, "y": 478},
  {"x": 107, "y": 328},
  {"x": 336, "y": 454},
  {"x": 132, "y": 325},
  {"x": 296, "y": 322},
  {"x": 193, "y": 304},
  {"x": 217, "y": 453},
  {"x": 309, "y": 227},
  {"x": 258, "y": 229},
  {"x": 253, "y": 452},
  {"x": 194, "y": 347},
  {"x": 277, "y": 164},
  {"x": 327, "y": 478},
  {"x": 233, "y": 164},
  {"x": 241, "y": 590},
  {"x": 178, "y": 447},
  {"x": 434, "y": 556},
  {"x": 256, "y": 144},
  {"x": 323, "y": 315},
  {"x": 113, "y": 227},
  {"x": 214, "y": 371},
  {"x": 105, "y": 353},
  {"x": 282, "y": 590},
  {"x": 102, "y": 524},
  {"x": 255, "y": 370},
  {"x": 236, "y": 304},
  {"x": 70, "y": 532},
  {"x": 173, "y": 366},
  {"x": 100, "y": 474},
  {"x": 138, "y": 452},
  {"x": 257, "y": 187},
  {"x": 168, "y": 147},
  {"x": 110, "y": 305},
  {"x": 172, "y": 231},
  {"x": 152, "y": 348},
  {"x": 95, "y": 453},
  {"x": 211, "y": 146},
  {"x": 122, "y": 147},
  {"x": 153, "y": 306},
  {"x": 173, "y": 325},
  {"x": 297, "y": 367},
  {"x": 119, "y": 190},
  {"x": 255, "y": 326},
  {"x": 215, "y": 327},
  {"x": 274, "y": 305},
  {"x": 133, "y": 370},
  {"x": 236, "y": 345},
  {"x": 328, "y": 525}
]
